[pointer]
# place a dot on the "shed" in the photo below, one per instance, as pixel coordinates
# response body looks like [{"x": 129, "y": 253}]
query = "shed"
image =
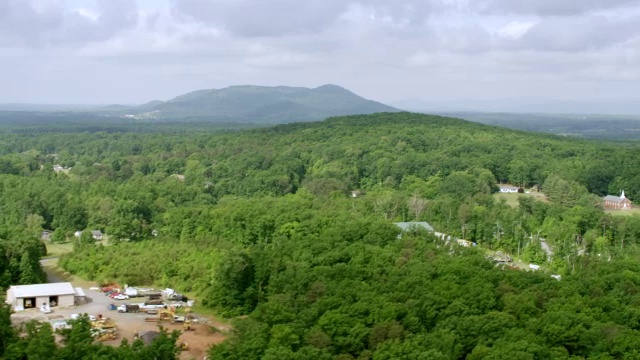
[
  {"x": 148, "y": 336},
  {"x": 80, "y": 297},
  {"x": 21, "y": 297}
]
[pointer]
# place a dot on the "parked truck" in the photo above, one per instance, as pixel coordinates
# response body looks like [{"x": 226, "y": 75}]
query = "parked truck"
[
  {"x": 125, "y": 308},
  {"x": 131, "y": 292},
  {"x": 151, "y": 307}
]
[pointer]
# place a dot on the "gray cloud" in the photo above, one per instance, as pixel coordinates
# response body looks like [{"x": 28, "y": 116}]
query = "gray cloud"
[
  {"x": 249, "y": 18},
  {"x": 548, "y": 7},
  {"x": 262, "y": 18},
  {"x": 22, "y": 24},
  {"x": 577, "y": 33},
  {"x": 382, "y": 49}
]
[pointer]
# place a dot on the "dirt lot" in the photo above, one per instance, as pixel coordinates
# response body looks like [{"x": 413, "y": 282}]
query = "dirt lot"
[{"x": 129, "y": 324}]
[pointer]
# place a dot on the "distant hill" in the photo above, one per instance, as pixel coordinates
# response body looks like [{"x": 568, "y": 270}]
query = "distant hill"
[{"x": 259, "y": 104}]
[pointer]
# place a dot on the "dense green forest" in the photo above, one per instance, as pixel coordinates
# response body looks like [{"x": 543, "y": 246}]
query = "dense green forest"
[{"x": 262, "y": 223}]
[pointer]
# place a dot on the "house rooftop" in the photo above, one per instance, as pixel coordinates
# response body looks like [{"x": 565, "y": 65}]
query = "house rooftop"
[
  {"x": 406, "y": 226},
  {"x": 506, "y": 186},
  {"x": 24, "y": 291}
]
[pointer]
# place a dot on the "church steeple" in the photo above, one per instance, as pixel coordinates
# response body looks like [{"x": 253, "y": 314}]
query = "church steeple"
[{"x": 622, "y": 195}]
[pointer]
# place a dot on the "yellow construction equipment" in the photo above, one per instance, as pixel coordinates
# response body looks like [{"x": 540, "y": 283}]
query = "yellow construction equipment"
[
  {"x": 186, "y": 326},
  {"x": 165, "y": 315}
]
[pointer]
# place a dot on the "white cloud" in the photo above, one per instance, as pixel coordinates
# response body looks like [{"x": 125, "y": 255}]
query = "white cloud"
[{"x": 515, "y": 29}]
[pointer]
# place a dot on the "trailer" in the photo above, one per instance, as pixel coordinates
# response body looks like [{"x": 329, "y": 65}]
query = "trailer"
[
  {"x": 126, "y": 308},
  {"x": 131, "y": 292}
]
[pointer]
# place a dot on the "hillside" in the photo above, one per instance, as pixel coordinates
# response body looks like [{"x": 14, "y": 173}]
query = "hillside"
[
  {"x": 260, "y": 104},
  {"x": 622, "y": 127}
]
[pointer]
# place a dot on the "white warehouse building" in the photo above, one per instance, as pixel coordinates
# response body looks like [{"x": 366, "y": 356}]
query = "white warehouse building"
[{"x": 22, "y": 297}]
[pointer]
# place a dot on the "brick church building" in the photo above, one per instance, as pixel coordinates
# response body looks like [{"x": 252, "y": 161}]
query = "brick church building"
[{"x": 616, "y": 202}]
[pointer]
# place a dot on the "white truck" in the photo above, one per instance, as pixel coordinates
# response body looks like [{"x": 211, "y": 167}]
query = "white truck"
[{"x": 131, "y": 292}]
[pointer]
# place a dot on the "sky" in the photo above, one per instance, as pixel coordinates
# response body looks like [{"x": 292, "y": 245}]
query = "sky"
[{"x": 448, "y": 53}]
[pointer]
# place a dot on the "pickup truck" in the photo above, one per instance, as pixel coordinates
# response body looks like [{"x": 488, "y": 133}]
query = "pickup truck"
[{"x": 124, "y": 308}]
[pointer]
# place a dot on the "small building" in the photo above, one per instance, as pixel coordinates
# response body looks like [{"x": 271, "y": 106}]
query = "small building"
[
  {"x": 147, "y": 337},
  {"x": 510, "y": 189},
  {"x": 97, "y": 235},
  {"x": 21, "y": 297},
  {"x": 617, "y": 202},
  {"x": 356, "y": 193},
  {"x": 465, "y": 243},
  {"x": 59, "y": 169},
  {"x": 45, "y": 235},
  {"x": 77, "y": 233},
  {"x": 80, "y": 297},
  {"x": 406, "y": 226},
  {"x": 413, "y": 225}
]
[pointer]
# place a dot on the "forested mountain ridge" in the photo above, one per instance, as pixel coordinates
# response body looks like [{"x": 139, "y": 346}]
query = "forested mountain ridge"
[
  {"x": 259, "y": 104},
  {"x": 262, "y": 223},
  {"x": 577, "y": 125}
]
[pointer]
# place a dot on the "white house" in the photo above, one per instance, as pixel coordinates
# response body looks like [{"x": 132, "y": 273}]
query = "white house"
[
  {"x": 22, "y": 297},
  {"x": 508, "y": 189}
]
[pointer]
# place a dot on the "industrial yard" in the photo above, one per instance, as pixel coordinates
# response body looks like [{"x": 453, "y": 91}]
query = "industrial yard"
[{"x": 111, "y": 326}]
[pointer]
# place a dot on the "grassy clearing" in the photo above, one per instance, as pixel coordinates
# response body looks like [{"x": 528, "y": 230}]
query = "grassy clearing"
[
  {"x": 512, "y": 198},
  {"x": 57, "y": 249},
  {"x": 623, "y": 212}
]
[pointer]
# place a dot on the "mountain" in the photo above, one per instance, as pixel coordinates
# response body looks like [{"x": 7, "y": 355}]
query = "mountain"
[{"x": 260, "y": 104}]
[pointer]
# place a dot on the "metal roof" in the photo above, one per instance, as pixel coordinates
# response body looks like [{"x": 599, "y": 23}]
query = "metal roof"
[
  {"x": 613, "y": 198},
  {"x": 24, "y": 291},
  {"x": 405, "y": 226},
  {"x": 80, "y": 292}
]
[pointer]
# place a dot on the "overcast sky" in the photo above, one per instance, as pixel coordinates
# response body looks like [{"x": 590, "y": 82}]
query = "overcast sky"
[{"x": 127, "y": 51}]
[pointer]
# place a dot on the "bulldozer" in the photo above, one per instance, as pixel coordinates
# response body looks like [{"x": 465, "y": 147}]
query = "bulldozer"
[
  {"x": 165, "y": 315},
  {"x": 186, "y": 325},
  {"x": 104, "y": 334},
  {"x": 168, "y": 316}
]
